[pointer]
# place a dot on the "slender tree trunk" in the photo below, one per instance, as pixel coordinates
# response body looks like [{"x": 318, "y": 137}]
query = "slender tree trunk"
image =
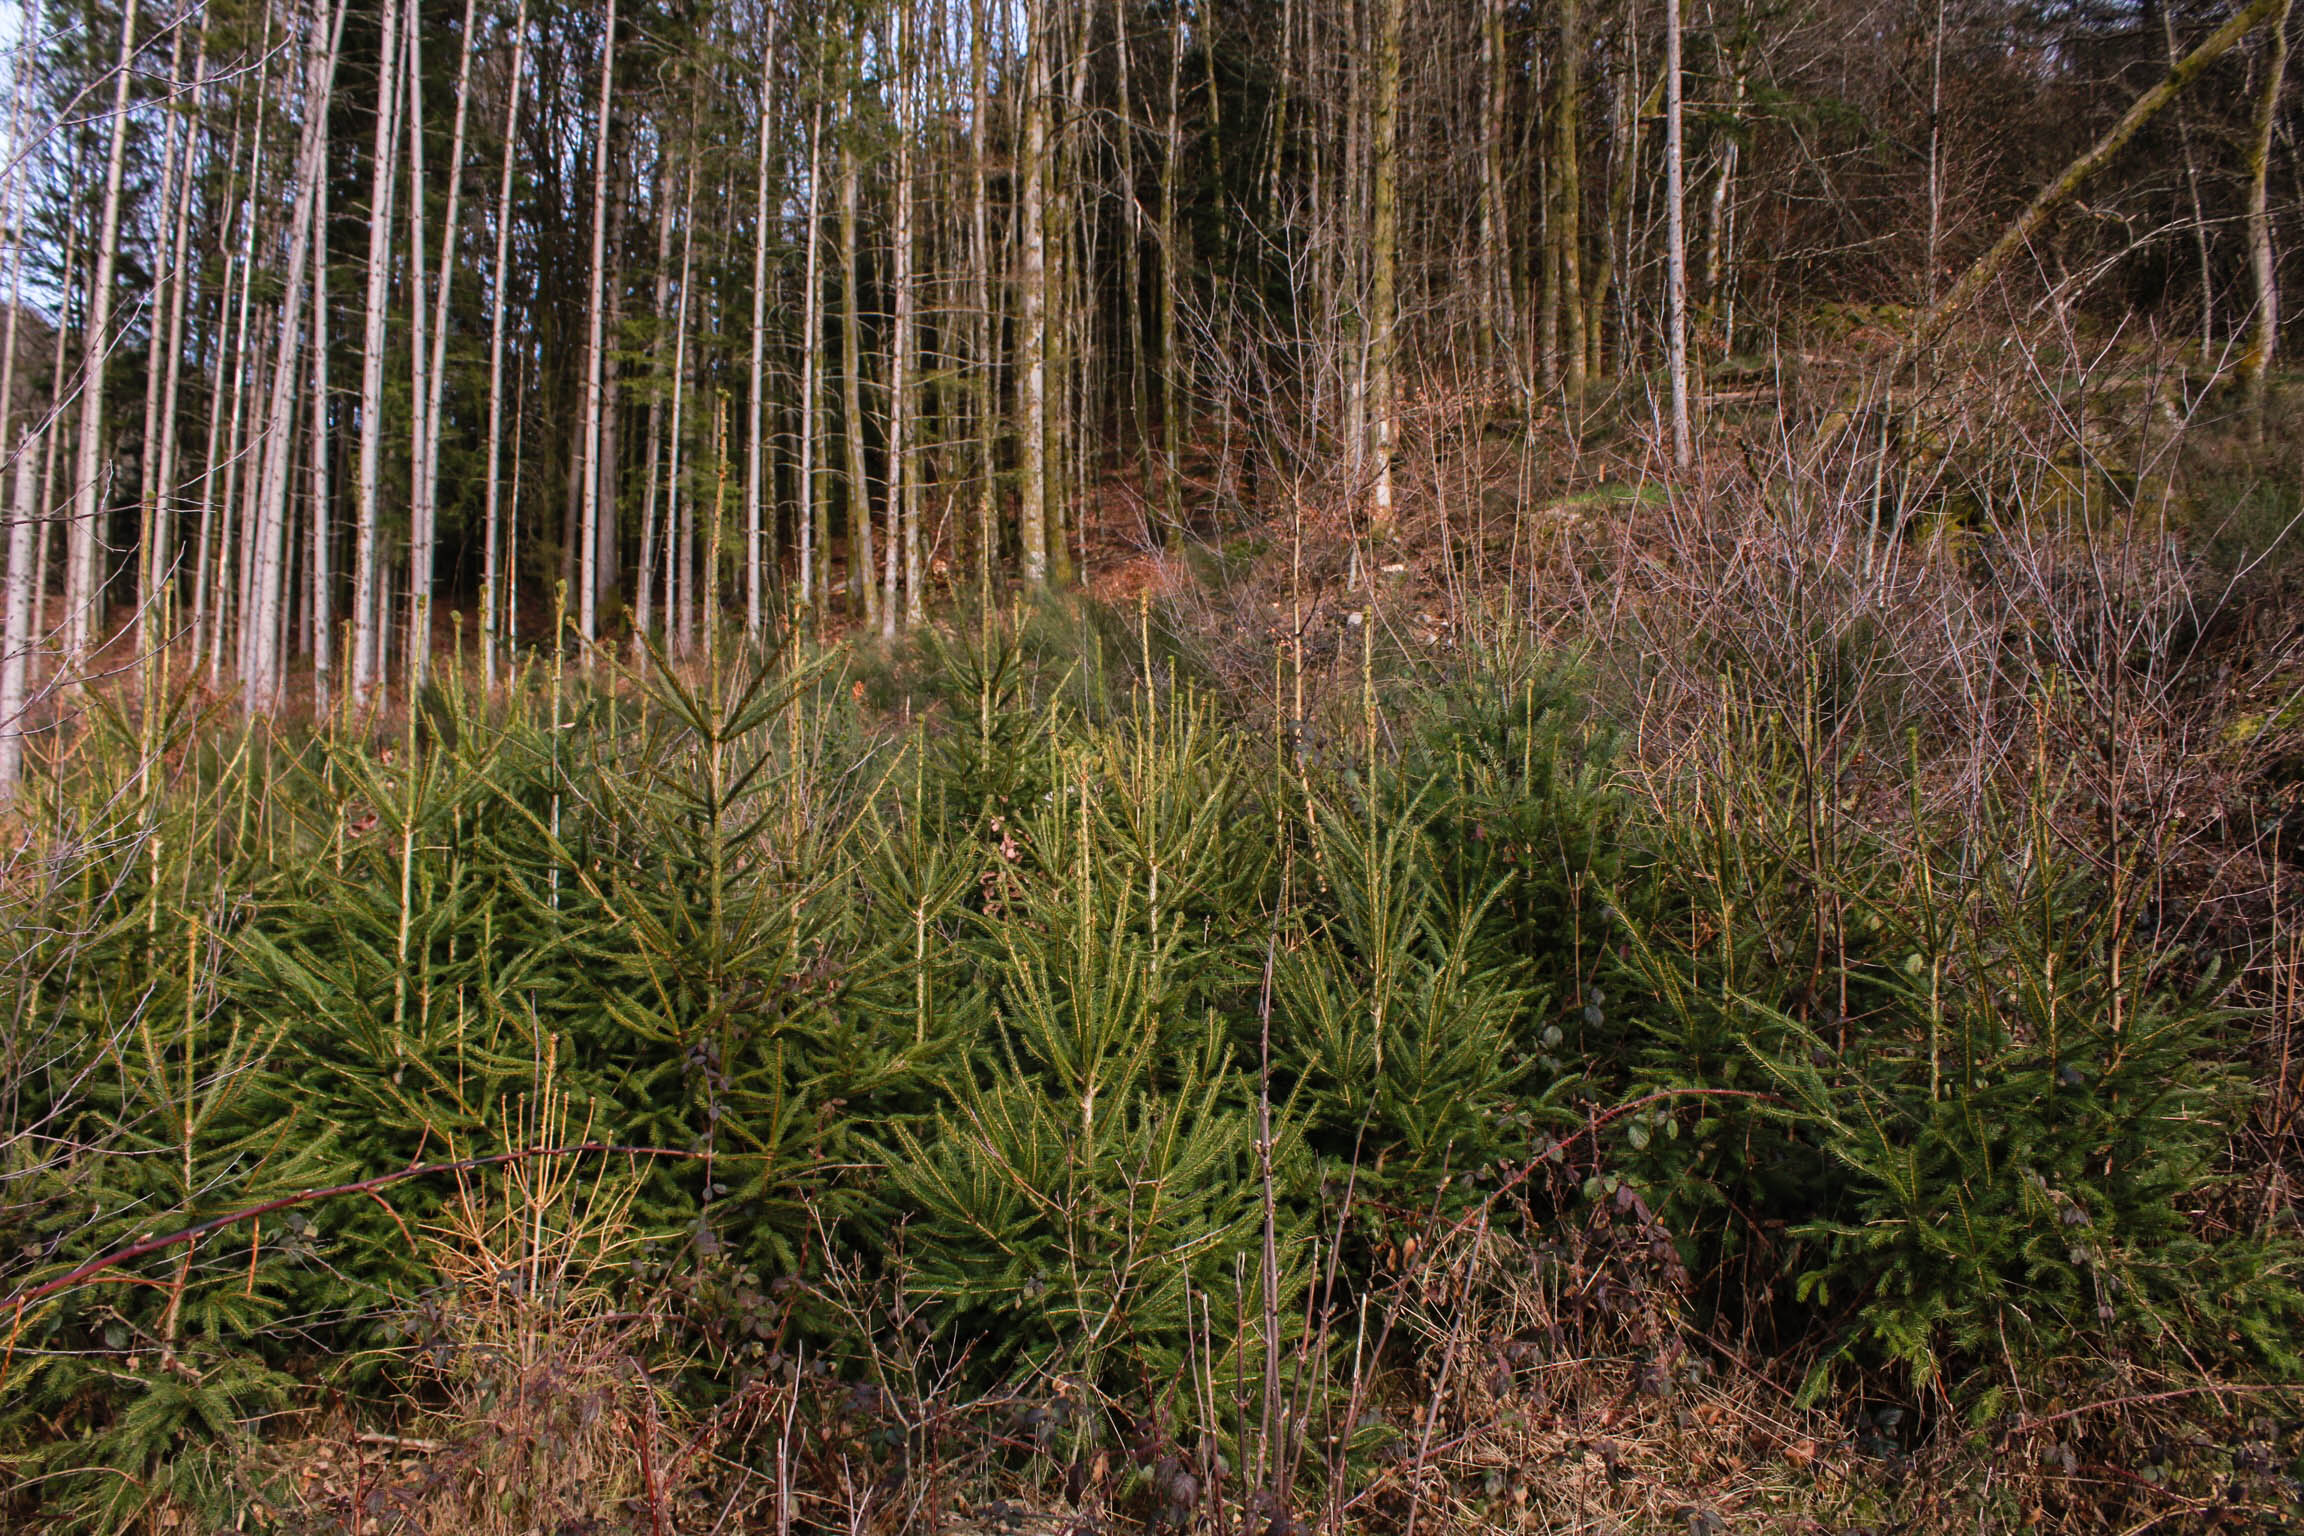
[
  {"x": 903, "y": 480},
  {"x": 25, "y": 519},
  {"x": 231, "y": 301},
  {"x": 1132, "y": 231},
  {"x": 432, "y": 358},
  {"x": 984, "y": 325},
  {"x": 811, "y": 338},
  {"x": 1497, "y": 326},
  {"x": 158, "y": 594},
  {"x": 1032, "y": 300},
  {"x": 24, "y": 524},
  {"x": 366, "y": 550},
  {"x": 323, "y": 499},
  {"x": 1676, "y": 242},
  {"x": 2191, "y": 186},
  {"x": 1632, "y": 111},
  {"x": 678, "y": 599},
  {"x": 863, "y": 593},
  {"x": 653, "y": 459},
  {"x": 756, "y": 489},
  {"x": 261, "y": 671},
  {"x": 1935, "y": 157},
  {"x": 222, "y": 590},
  {"x": 1384, "y": 243},
  {"x": 1568, "y": 200},
  {"x": 1172, "y": 406},
  {"x": 417, "y": 646},
  {"x": 2263, "y": 271},
  {"x": 83, "y": 574},
  {"x": 492, "y": 627},
  {"x": 167, "y": 274},
  {"x": 595, "y": 349}
]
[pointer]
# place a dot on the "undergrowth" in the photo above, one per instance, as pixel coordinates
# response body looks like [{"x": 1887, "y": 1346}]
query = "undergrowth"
[{"x": 1015, "y": 1073}]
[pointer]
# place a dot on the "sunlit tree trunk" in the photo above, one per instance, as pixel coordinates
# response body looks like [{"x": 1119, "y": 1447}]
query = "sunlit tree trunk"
[
  {"x": 903, "y": 481},
  {"x": 433, "y": 359},
  {"x": 1384, "y": 253},
  {"x": 493, "y": 628},
  {"x": 323, "y": 500},
  {"x": 1676, "y": 242},
  {"x": 158, "y": 594},
  {"x": 24, "y": 513},
  {"x": 168, "y": 276},
  {"x": 1172, "y": 403},
  {"x": 595, "y": 349},
  {"x": 984, "y": 326},
  {"x": 1567, "y": 186},
  {"x": 1032, "y": 300},
  {"x": 2264, "y": 328},
  {"x": 261, "y": 671},
  {"x": 1497, "y": 326},
  {"x": 756, "y": 489},
  {"x": 375, "y": 337},
  {"x": 83, "y": 575},
  {"x": 811, "y": 338},
  {"x": 864, "y": 594}
]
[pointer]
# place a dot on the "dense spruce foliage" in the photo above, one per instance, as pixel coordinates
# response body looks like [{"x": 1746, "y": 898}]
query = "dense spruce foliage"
[{"x": 1023, "y": 1037}]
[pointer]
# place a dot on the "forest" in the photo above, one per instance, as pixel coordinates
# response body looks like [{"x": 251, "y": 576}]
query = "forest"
[{"x": 1189, "y": 767}]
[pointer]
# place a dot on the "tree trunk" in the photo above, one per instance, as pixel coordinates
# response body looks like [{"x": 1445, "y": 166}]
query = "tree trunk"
[
  {"x": 492, "y": 625},
  {"x": 1384, "y": 252},
  {"x": 2069, "y": 181},
  {"x": 261, "y": 671},
  {"x": 1676, "y": 242},
  {"x": 1032, "y": 300},
  {"x": 158, "y": 595},
  {"x": 422, "y": 555},
  {"x": 1567, "y": 185},
  {"x": 863, "y": 594},
  {"x": 811, "y": 583},
  {"x": 653, "y": 458},
  {"x": 2263, "y": 272},
  {"x": 903, "y": 482},
  {"x": 83, "y": 575},
  {"x": 366, "y": 593},
  {"x": 678, "y": 597},
  {"x": 323, "y": 502},
  {"x": 167, "y": 275},
  {"x": 25, "y": 519},
  {"x": 756, "y": 489},
  {"x": 595, "y": 350}
]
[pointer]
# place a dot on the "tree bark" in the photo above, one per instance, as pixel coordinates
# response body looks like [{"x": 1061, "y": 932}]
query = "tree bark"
[
  {"x": 83, "y": 576},
  {"x": 595, "y": 349},
  {"x": 2067, "y": 182},
  {"x": 2263, "y": 271},
  {"x": 423, "y": 545},
  {"x": 1676, "y": 242},
  {"x": 756, "y": 489},
  {"x": 366, "y": 551},
  {"x": 1384, "y": 252},
  {"x": 1032, "y": 301},
  {"x": 903, "y": 482},
  {"x": 261, "y": 671},
  {"x": 492, "y": 625},
  {"x": 863, "y": 594}
]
